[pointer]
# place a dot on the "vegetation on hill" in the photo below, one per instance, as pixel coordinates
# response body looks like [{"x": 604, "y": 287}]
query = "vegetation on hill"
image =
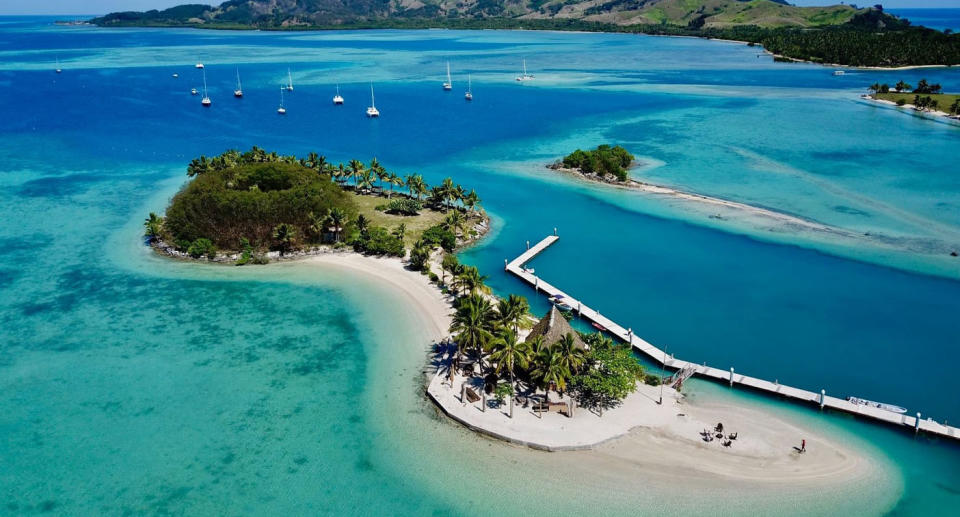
[
  {"x": 836, "y": 34},
  {"x": 256, "y": 201},
  {"x": 602, "y": 161}
]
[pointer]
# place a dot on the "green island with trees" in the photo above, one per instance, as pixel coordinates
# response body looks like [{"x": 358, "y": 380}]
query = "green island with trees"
[
  {"x": 839, "y": 34},
  {"x": 243, "y": 207},
  {"x": 923, "y": 97},
  {"x": 605, "y": 163}
]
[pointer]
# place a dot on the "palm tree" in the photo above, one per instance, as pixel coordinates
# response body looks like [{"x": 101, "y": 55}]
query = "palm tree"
[
  {"x": 512, "y": 310},
  {"x": 419, "y": 255},
  {"x": 471, "y": 200},
  {"x": 340, "y": 174},
  {"x": 454, "y": 222},
  {"x": 901, "y": 86},
  {"x": 416, "y": 185},
  {"x": 284, "y": 234},
  {"x": 362, "y": 224},
  {"x": 395, "y": 181},
  {"x": 472, "y": 281},
  {"x": 508, "y": 354},
  {"x": 318, "y": 224},
  {"x": 549, "y": 369},
  {"x": 447, "y": 190},
  {"x": 875, "y": 88},
  {"x": 356, "y": 167},
  {"x": 473, "y": 324},
  {"x": 449, "y": 264},
  {"x": 365, "y": 180},
  {"x": 153, "y": 227},
  {"x": 337, "y": 218},
  {"x": 955, "y": 107},
  {"x": 458, "y": 194},
  {"x": 198, "y": 166},
  {"x": 570, "y": 356}
]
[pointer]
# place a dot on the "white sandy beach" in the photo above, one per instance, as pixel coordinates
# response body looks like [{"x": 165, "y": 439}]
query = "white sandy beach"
[{"x": 662, "y": 440}]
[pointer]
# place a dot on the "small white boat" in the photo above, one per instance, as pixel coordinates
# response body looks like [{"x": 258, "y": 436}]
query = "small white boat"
[
  {"x": 524, "y": 76},
  {"x": 529, "y": 270},
  {"x": 839, "y": 72},
  {"x": 199, "y": 65},
  {"x": 447, "y": 86},
  {"x": 337, "y": 99},
  {"x": 239, "y": 91},
  {"x": 176, "y": 75},
  {"x": 563, "y": 307},
  {"x": 372, "y": 110},
  {"x": 879, "y": 405},
  {"x": 469, "y": 96},
  {"x": 193, "y": 91},
  {"x": 289, "y": 81},
  {"x": 205, "y": 102},
  {"x": 281, "y": 110},
  {"x": 58, "y": 66}
]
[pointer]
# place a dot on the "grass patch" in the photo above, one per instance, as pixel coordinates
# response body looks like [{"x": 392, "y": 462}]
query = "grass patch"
[
  {"x": 944, "y": 100},
  {"x": 415, "y": 224}
]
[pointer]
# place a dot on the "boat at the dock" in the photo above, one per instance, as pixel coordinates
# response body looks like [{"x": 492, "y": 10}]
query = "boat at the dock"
[{"x": 878, "y": 405}]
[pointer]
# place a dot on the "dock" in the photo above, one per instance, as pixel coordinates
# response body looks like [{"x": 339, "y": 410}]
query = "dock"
[{"x": 625, "y": 334}]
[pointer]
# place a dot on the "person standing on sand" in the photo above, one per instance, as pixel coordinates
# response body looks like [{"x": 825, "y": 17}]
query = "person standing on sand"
[{"x": 803, "y": 445}]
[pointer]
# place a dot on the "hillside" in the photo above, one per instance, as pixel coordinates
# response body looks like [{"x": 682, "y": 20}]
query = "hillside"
[{"x": 304, "y": 13}]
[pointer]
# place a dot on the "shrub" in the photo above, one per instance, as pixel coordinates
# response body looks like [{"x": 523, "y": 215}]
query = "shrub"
[
  {"x": 201, "y": 247},
  {"x": 378, "y": 241},
  {"x": 404, "y": 206},
  {"x": 603, "y": 160},
  {"x": 652, "y": 380},
  {"x": 247, "y": 252},
  {"x": 901, "y": 101},
  {"x": 440, "y": 236},
  {"x": 433, "y": 277}
]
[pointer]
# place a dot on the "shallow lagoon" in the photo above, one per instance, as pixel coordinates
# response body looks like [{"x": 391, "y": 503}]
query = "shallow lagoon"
[{"x": 136, "y": 384}]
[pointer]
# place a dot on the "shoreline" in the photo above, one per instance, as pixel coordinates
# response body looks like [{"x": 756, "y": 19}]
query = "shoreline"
[
  {"x": 665, "y": 436},
  {"x": 920, "y": 113}
]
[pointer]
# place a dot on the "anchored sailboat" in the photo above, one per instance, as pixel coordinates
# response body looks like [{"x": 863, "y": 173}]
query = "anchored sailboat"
[
  {"x": 58, "y": 65},
  {"x": 239, "y": 91},
  {"x": 524, "y": 76},
  {"x": 199, "y": 65},
  {"x": 337, "y": 99},
  {"x": 447, "y": 86},
  {"x": 206, "y": 99},
  {"x": 281, "y": 110},
  {"x": 469, "y": 94},
  {"x": 289, "y": 81},
  {"x": 372, "y": 110}
]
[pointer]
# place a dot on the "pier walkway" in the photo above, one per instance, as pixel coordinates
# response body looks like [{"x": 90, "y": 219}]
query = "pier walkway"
[{"x": 516, "y": 267}]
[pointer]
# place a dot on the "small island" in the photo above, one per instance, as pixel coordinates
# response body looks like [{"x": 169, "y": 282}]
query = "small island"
[
  {"x": 924, "y": 98},
  {"x": 605, "y": 163},
  {"x": 255, "y": 206}
]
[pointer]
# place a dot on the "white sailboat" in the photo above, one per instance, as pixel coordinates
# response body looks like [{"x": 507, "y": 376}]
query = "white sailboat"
[
  {"x": 524, "y": 76},
  {"x": 58, "y": 66},
  {"x": 281, "y": 110},
  {"x": 289, "y": 81},
  {"x": 447, "y": 86},
  {"x": 239, "y": 91},
  {"x": 206, "y": 99},
  {"x": 199, "y": 65},
  {"x": 193, "y": 91},
  {"x": 372, "y": 110},
  {"x": 337, "y": 99},
  {"x": 469, "y": 94}
]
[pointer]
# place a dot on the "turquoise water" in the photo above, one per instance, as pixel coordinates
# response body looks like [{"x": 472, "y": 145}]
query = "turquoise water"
[
  {"x": 137, "y": 385},
  {"x": 939, "y": 19}
]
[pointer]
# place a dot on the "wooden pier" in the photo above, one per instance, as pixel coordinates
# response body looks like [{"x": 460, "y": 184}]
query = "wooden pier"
[{"x": 917, "y": 423}]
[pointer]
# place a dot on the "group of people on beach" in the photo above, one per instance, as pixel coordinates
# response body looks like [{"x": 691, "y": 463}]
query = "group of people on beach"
[{"x": 717, "y": 433}]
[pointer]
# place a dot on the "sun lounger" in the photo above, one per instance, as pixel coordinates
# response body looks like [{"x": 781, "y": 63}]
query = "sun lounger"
[{"x": 472, "y": 395}]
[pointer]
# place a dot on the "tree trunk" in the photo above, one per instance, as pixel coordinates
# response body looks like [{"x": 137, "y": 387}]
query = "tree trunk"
[{"x": 511, "y": 393}]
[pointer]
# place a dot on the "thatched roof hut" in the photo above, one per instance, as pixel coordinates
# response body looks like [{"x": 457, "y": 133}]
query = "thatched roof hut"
[{"x": 553, "y": 327}]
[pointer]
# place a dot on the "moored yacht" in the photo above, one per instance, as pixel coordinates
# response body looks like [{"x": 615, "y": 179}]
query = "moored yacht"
[
  {"x": 469, "y": 94},
  {"x": 447, "y": 86},
  {"x": 289, "y": 81},
  {"x": 199, "y": 65},
  {"x": 58, "y": 66},
  {"x": 239, "y": 91},
  {"x": 372, "y": 110},
  {"x": 524, "y": 76},
  {"x": 337, "y": 99},
  {"x": 206, "y": 99},
  {"x": 281, "y": 110}
]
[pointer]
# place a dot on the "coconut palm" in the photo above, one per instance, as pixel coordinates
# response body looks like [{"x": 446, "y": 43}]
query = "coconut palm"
[
  {"x": 455, "y": 222},
  {"x": 473, "y": 325},
  {"x": 419, "y": 255},
  {"x": 340, "y": 174},
  {"x": 365, "y": 180},
  {"x": 416, "y": 186},
  {"x": 471, "y": 200},
  {"x": 901, "y": 86},
  {"x": 153, "y": 227},
  {"x": 198, "y": 166},
  {"x": 447, "y": 190},
  {"x": 472, "y": 281},
  {"x": 394, "y": 181},
  {"x": 458, "y": 194},
  {"x": 284, "y": 234},
  {"x": 512, "y": 310},
  {"x": 549, "y": 369},
  {"x": 337, "y": 219},
  {"x": 570, "y": 356},
  {"x": 449, "y": 264},
  {"x": 356, "y": 167},
  {"x": 363, "y": 224},
  {"x": 508, "y": 354}
]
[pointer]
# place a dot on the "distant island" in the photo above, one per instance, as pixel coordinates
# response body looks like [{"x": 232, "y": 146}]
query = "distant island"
[
  {"x": 251, "y": 207},
  {"x": 605, "y": 163},
  {"x": 924, "y": 97},
  {"x": 839, "y": 34}
]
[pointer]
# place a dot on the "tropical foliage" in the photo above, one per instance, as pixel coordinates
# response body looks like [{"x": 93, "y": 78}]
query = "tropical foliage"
[{"x": 602, "y": 161}]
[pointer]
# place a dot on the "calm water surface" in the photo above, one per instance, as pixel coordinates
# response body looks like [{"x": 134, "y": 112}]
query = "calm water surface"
[{"x": 136, "y": 385}]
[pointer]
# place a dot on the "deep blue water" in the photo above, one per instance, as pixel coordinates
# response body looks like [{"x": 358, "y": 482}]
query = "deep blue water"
[
  {"x": 167, "y": 379},
  {"x": 939, "y": 19}
]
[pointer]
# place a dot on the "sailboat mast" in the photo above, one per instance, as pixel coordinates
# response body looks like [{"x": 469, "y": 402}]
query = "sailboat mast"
[
  {"x": 238, "y": 80},
  {"x": 204, "y": 83},
  {"x": 448, "y": 73},
  {"x": 372, "y": 103}
]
